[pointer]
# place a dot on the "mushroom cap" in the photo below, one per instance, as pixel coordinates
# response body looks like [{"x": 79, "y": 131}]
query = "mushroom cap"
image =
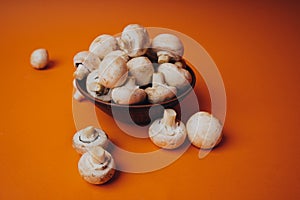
[
  {"x": 103, "y": 44},
  {"x": 204, "y": 130},
  {"x": 129, "y": 93},
  {"x": 141, "y": 68},
  {"x": 93, "y": 85},
  {"x": 168, "y": 44},
  {"x": 82, "y": 141},
  {"x": 39, "y": 58},
  {"x": 160, "y": 93},
  {"x": 167, "y": 137},
  {"x": 174, "y": 75},
  {"x": 88, "y": 59},
  {"x": 134, "y": 40},
  {"x": 113, "y": 70},
  {"x": 94, "y": 171}
]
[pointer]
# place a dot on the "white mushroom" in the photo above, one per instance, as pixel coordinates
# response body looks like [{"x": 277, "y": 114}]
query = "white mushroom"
[
  {"x": 129, "y": 93},
  {"x": 89, "y": 137},
  {"x": 159, "y": 92},
  {"x": 77, "y": 95},
  {"x": 166, "y": 132},
  {"x": 39, "y": 58},
  {"x": 174, "y": 75},
  {"x": 141, "y": 69},
  {"x": 96, "y": 166},
  {"x": 167, "y": 46},
  {"x": 103, "y": 44},
  {"x": 95, "y": 89},
  {"x": 134, "y": 40},
  {"x": 113, "y": 70},
  {"x": 204, "y": 130},
  {"x": 85, "y": 62}
]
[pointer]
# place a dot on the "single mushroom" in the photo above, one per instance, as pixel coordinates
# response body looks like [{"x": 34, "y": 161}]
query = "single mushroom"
[
  {"x": 113, "y": 69},
  {"x": 39, "y": 58},
  {"x": 134, "y": 40},
  {"x": 96, "y": 166},
  {"x": 95, "y": 89},
  {"x": 85, "y": 62},
  {"x": 77, "y": 95},
  {"x": 141, "y": 69},
  {"x": 129, "y": 93},
  {"x": 103, "y": 44},
  {"x": 204, "y": 130},
  {"x": 166, "y": 132},
  {"x": 174, "y": 75},
  {"x": 167, "y": 46},
  {"x": 159, "y": 92},
  {"x": 89, "y": 137}
]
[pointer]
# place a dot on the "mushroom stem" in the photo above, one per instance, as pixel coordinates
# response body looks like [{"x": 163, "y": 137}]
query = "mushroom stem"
[
  {"x": 81, "y": 72},
  {"x": 163, "y": 58},
  {"x": 157, "y": 79},
  {"x": 98, "y": 154},
  {"x": 77, "y": 95},
  {"x": 130, "y": 83},
  {"x": 169, "y": 117},
  {"x": 89, "y": 134}
]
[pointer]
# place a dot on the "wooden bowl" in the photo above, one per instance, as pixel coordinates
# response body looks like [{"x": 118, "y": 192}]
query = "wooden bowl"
[{"x": 140, "y": 114}]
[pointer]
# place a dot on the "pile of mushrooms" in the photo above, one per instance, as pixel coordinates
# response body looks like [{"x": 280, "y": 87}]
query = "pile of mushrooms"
[
  {"x": 132, "y": 69},
  {"x": 96, "y": 165},
  {"x": 203, "y": 130},
  {"x": 122, "y": 69}
]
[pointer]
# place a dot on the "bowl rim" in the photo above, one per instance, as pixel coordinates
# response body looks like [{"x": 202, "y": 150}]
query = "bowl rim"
[{"x": 188, "y": 67}]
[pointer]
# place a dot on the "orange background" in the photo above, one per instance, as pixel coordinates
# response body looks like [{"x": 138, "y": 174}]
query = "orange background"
[{"x": 256, "y": 48}]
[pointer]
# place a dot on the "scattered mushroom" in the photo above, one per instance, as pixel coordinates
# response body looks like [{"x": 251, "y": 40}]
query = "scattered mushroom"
[
  {"x": 167, "y": 46},
  {"x": 204, "y": 130},
  {"x": 159, "y": 91},
  {"x": 77, "y": 95},
  {"x": 95, "y": 89},
  {"x": 134, "y": 40},
  {"x": 174, "y": 75},
  {"x": 89, "y": 137},
  {"x": 129, "y": 93},
  {"x": 39, "y": 58},
  {"x": 141, "y": 69},
  {"x": 85, "y": 62},
  {"x": 166, "y": 132},
  {"x": 103, "y": 44},
  {"x": 96, "y": 166}
]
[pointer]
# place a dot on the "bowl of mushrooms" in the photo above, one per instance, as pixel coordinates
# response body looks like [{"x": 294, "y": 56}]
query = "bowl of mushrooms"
[{"x": 133, "y": 77}]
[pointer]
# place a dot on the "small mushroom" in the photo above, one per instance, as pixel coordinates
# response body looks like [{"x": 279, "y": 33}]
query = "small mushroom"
[
  {"x": 166, "y": 132},
  {"x": 204, "y": 130},
  {"x": 77, "y": 95},
  {"x": 134, "y": 40},
  {"x": 85, "y": 62},
  {"x": 95, "y": 89},
  {"x": 167, "y": 46},
  {"x": 141, "y": 69},
  {"x": 129, "y": 93},
  {"x": 103, "y": 44},
  {"x": 96, "y": 166},
  {"x": 39, "y": 58},
  {"x": 159, "y": 92},
  {"x": 113, "y": 69},
  {"x": 174, "y": 75},
  {"x": 89, "y": 137}
]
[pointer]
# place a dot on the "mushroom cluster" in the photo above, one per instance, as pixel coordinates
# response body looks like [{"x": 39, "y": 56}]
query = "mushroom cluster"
[
  {"x": 203, "y": 130},
  {"x": 96, "y": 165},
  {"x": 132, "y": 68}
]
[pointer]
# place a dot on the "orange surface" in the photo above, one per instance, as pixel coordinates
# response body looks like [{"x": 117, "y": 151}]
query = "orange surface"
[{"x": 256, "y": 48}]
